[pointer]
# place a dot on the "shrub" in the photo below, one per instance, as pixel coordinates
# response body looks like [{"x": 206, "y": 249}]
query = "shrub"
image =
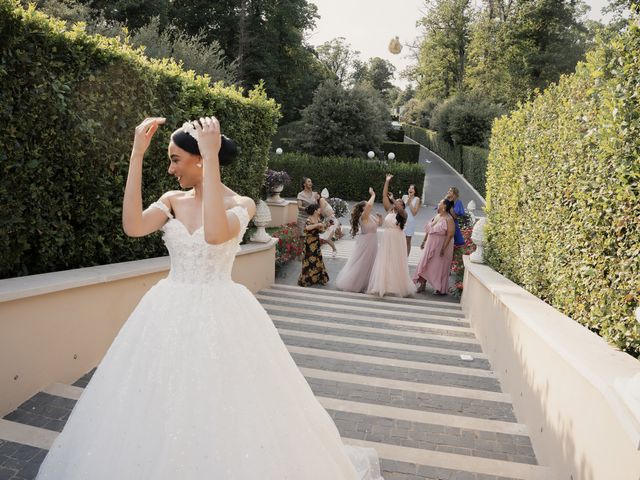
[
  {"x": 347, "y": 178},
  {"x": 418, "y": 112},
  {"x": 69, "y": 103},
  {"x": 395, "y": 135},
  {"x": 563, "y": 185},
  {"x": 342, "y": 122},
  {"x": 404, "y": 152},
  {"x": 457, "y": 264},
  {"x": 474, "y": 167},
  {"x": 464, "y": 120},
  {"x": 339, "y": 206}
]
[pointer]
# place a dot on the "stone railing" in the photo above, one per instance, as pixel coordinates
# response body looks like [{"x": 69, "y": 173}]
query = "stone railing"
[
  {"x": 567, "y": 384},
  {"x": 57, "y": 326}
]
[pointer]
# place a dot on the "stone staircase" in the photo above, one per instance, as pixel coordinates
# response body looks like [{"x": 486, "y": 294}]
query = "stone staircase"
[{"x": 404, "y": 376}]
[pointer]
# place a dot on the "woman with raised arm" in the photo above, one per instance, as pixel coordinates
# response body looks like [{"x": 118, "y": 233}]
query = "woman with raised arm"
[
  {"x": 354, "y": 276},
  {"x": 198, "y": 384},
  {"x": 390, "y": 273}
]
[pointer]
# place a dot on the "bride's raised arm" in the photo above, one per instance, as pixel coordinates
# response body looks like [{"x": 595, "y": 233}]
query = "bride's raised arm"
[
  {"x": 135, "y": 221},
  {"x": 219, "y": 225}
]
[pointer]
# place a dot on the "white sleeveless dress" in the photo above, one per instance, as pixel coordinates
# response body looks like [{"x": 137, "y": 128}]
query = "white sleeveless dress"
[{"x": 198, "y": 385}]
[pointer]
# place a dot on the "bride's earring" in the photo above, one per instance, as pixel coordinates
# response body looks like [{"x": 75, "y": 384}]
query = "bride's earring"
[{"x": 199, "y": 165}]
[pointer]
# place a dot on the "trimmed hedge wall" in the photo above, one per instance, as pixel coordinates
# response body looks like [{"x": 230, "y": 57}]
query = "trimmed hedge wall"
[
  {"x": 69, "y": 103},
  {"x": 405, "y": 152},
  {"x": 469, "y": 161},
  {"x": 346, "y": 178},
  {"x": 563, "y": 191}
]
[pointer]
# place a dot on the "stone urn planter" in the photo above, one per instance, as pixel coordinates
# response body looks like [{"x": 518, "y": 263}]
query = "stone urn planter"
[{"x": 274, "y": 194}]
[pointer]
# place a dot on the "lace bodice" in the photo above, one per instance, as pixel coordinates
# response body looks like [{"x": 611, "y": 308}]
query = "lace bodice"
[{"x": 193, "y": 260}]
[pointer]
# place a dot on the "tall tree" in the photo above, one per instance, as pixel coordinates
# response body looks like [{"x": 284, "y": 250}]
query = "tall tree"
[
  {"x": 340, "y": 60},
  {"x": 443, "y": 51}
]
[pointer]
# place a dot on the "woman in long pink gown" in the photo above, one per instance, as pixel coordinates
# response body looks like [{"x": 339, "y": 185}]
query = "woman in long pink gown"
[
  {"x": 390, "y": 273},
  {"x": 354, "y": 276},
  {"x": 437, "y": 251}
]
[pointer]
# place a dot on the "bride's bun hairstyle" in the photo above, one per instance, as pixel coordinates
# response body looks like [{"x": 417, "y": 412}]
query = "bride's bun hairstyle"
[{"x": 186, "y": 138}]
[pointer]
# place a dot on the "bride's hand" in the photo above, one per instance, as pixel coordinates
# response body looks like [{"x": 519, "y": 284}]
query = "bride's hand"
[
  {"x": 389, "y": 177},
  {"x": 209, "y": 138},
  {"x": 144, "y": 132}
]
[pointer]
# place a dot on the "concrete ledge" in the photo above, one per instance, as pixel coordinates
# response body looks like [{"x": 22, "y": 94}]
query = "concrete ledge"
[
  {"x": 561, "y": 377},
  {"x": 55, "y": 327},
  {"x": 283, "y": 213}
]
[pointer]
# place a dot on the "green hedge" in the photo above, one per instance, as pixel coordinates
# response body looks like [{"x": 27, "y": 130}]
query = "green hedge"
[
  {"x": 69, "y": 103},
  {"x": 563, "y": 192},
  {"x": 469, "y": 161},
  {"x": 474, "y": 167},
  {"x": 346, "y": 178},
  {"x": 405, "y": 152}
]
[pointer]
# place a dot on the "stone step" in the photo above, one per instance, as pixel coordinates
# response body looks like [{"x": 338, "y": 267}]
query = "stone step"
[
  {"x": 24, "y": 434},
  {"x": 460, "y": 463},
  {"x": 416, "y": 338},
  {"x": 342, "y": 345},
  {"x": 398, "y": 326},
  {"x": 423, "y": 401},
  {"x": 427, "y": 314},
  {"x": 329, "y": 297},
  {"x": 392, "y": 362},
  {"x": 479, "y": 360},
  {"x": 405, "y": 386},
  {"x": 434, "y": 324},
  {"x": 384, "y": 300},
  {"x": 375, "y": 370}
]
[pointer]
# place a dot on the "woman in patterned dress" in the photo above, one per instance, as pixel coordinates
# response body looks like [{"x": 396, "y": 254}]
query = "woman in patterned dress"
[{"x": 313, "y": 270}]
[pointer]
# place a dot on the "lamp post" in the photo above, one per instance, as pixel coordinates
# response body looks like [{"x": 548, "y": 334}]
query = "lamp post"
[
  {"x": 278, "y": 151},
  {"x": 371, "y": 154},
  {"x": 391, "y": 156}
]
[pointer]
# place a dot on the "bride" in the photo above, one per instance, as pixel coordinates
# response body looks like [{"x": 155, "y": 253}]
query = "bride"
[{"x": 198, "y": 384}]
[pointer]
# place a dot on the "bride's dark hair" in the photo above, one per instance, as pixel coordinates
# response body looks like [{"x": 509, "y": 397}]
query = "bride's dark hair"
[
  {"x": 401, "y": 217},
  {"x": 228, "y": 149}
]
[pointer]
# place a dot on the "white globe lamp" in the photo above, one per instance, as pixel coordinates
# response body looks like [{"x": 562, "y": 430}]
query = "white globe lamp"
[
  {"x": 278, "y": 151},
  {"x": 371, "y": 154},
  {"x": 391, "y": 156}
]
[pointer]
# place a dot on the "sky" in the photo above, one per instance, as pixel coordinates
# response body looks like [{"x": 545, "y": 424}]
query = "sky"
[{"x": 369, "y": 25}]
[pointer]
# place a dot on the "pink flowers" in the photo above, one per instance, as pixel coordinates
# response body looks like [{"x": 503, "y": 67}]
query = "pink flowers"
[{"x": 289, "y": 244}]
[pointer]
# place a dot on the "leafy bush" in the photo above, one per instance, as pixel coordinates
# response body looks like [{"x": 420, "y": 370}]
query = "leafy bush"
[
  {"x": 418, "y": 112},
  {"x": 457, "y": 265},
  {"x": 474, "y": 167},
  {"x": 69, "y": 103},
  {"x": 395, "y": 135},
  {"x": 342, "y": 122},
  {"x": 464, "y": 120},
  {"x": 404, "y": 152},
  {"x": 348, "y": 178},
  {"x": 563, "y": 190}
]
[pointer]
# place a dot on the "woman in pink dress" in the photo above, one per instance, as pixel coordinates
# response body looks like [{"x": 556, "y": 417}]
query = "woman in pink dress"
[
  {"x": 354, "y": 276},
  {"x": 390, "y": 273},
  {"x": 437, "y": 254}
]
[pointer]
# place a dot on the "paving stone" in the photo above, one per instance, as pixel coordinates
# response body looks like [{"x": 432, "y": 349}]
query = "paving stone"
[
  {"x": 381, "y": 315},
  {"x": 383, "y": 337},
  {"x": 84, "y": 380},
  {"x": 385, "y": 352},
  {"x": 19, "y": 462},
  {"x": 43, "y": 410},
  {"x": 421, "y": 435},
  {"x": 384, "y": 307}
]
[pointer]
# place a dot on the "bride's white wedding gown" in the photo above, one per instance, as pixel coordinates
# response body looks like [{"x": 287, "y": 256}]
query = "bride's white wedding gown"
[{"x": 198, "y": 385}]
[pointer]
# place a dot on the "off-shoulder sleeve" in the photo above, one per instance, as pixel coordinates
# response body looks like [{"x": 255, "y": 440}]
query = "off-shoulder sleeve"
[
  {"x": 161, "y": 206},
  {"x": 243, "y": 217}
]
